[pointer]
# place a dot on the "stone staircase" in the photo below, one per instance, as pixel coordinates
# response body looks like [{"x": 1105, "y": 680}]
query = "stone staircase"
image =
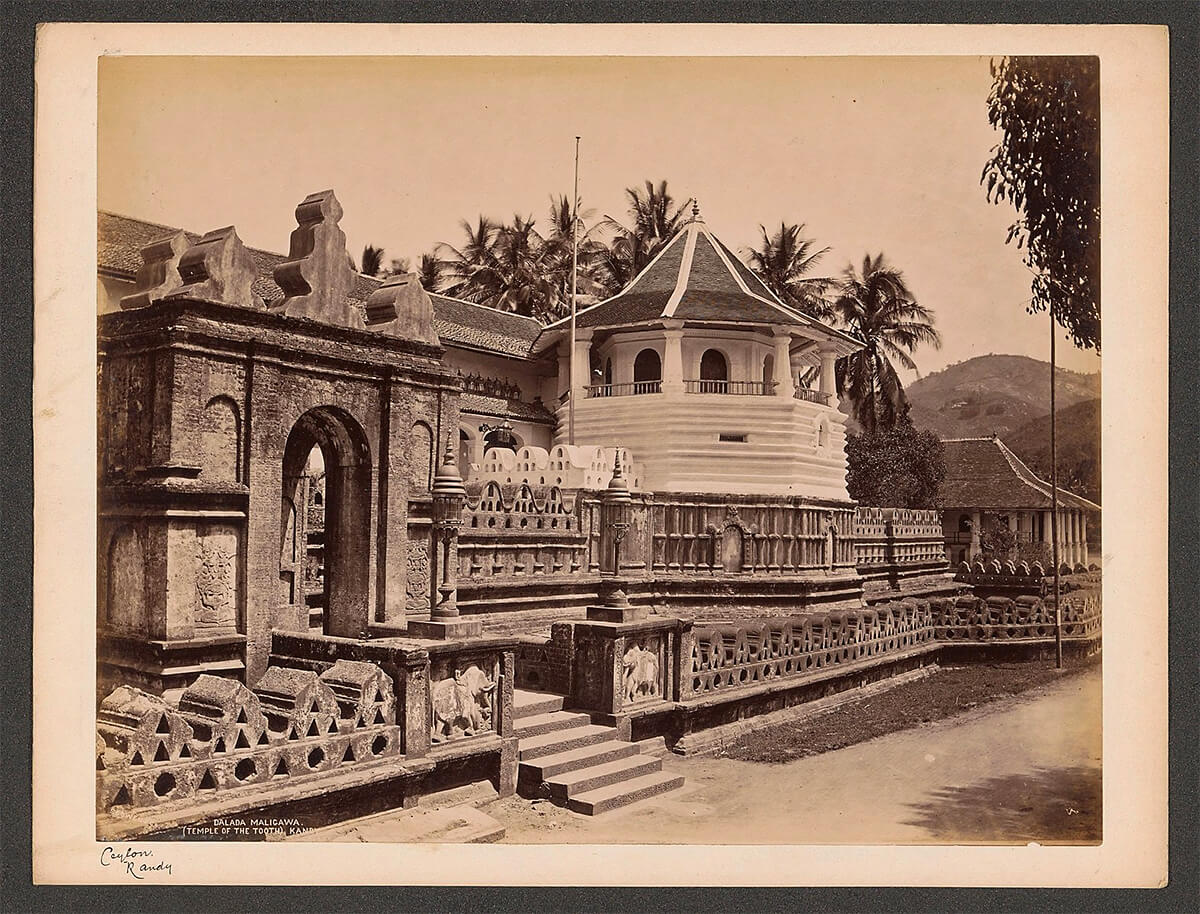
[{"x": 583, "y": 766}]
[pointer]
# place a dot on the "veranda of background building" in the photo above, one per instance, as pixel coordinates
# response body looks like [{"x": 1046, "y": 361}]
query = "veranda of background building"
[{"x": 986, "y": 481}]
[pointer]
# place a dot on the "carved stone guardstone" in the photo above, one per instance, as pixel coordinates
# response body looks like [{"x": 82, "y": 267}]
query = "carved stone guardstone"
[
  {"x": 402, "y": 308},
  {"x": 219, "y": 268},
  {"x": 317, "y": 278},
  {"x": 158, "y": 275}
]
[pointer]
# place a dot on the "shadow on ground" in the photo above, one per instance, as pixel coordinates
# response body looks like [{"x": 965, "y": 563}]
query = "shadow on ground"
[{"x": 1049, "y": 805}]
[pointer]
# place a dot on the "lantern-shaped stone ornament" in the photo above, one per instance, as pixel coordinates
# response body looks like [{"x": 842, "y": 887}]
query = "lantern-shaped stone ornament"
[
  {"x": 449, "y": 497},
  {"x": 616, "y": 514}
]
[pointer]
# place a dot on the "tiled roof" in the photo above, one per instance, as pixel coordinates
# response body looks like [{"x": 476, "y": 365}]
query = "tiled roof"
[
  {"x": 983, "y": 473},
  {"x": 694, "y": 277},
  {"x": 483, "y": 405},
  {"x": 121, "y": 239}
]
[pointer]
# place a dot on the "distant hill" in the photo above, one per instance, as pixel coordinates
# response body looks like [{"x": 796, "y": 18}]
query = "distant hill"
[
  {"x": 1078, "y": 447},
  {"x": 999, "y": 394}
]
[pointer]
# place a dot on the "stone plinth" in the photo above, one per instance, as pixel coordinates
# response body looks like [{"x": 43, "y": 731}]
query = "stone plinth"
[
  {"x": 436, "y": 630},
  {"x": 618, "y": 613},
  {"x": 621, "y": 667}
]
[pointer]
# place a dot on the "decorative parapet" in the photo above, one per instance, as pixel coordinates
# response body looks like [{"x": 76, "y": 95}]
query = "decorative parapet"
[
  {"x": 489, "y": 387},
  {"x": 1002, "y": 578},
  {"x": 757, "y": 535},
  {"x": 748, "y": 654},
  {"x": 563, "y": 466},
  {"x": 518, "y": 530},
  {"x": 219, "y": 268},
  {"x": 158, "y": 275},
  {"x": 223, "y": 736},
  {"x": 1003, "y": 619},
  {"x": 318, "y": 276},
  {"x": 897, "y": 536}
]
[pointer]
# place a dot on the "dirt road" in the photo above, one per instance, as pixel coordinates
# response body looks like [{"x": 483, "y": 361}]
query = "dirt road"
[{"x": 1010, "y": 772}]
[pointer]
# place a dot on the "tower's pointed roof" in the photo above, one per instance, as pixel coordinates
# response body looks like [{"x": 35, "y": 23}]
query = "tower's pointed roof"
[{"x": 695, "y": 277}]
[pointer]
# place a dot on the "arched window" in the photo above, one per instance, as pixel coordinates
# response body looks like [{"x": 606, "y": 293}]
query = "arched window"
[
  {"x": 714, "y": 372},
  {"x": 768, "y": 373},
  {"x": 647, "y": 372},
  {"x": 608, "y": 371}
]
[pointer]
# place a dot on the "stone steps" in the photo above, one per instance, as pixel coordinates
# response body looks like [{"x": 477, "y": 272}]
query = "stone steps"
[
  {"x": 550, "y": 722},
  {"x": 570, "y": 784},
  {"x": 527, "y": 703},
  {"x": 614, "y": 796},
  {"x": 581, "y": 765},
  {"x": 534, "y": 747},
  {"x": 539, "y": 770}
]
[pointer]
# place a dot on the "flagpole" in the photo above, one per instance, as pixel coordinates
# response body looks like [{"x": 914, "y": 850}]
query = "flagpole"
[
  {"x": 574, "y": 275},
  {"x": 1058, "y": 647}
]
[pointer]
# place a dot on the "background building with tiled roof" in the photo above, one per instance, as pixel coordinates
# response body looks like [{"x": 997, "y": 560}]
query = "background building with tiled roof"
[{"x": 985, "y": 480}]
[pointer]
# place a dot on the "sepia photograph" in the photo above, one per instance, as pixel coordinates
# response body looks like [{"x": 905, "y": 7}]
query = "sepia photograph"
[
  {"x": 607, "y": 450},
  {"x": 492, "y": 505}
]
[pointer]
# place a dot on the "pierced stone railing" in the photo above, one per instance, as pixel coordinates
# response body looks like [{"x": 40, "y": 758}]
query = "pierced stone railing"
[
  {"x": 752, "y": 654},
  {"x": 222, "y": 736},
  {"x": 743, "y": 655}
]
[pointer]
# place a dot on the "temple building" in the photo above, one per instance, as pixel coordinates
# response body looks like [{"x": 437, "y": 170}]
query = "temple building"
[
  {"x": 985, "y": 481},
  {"x": 695, "y": 367}
]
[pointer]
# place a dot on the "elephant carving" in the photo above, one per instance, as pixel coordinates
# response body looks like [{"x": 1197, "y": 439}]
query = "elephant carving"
[
  {"x": 462, "y": 704},
  {"x": 640, "y": 678}
]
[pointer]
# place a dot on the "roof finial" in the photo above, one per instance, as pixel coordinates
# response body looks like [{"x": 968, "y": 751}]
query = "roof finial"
[{"x": 696, "y": 210}]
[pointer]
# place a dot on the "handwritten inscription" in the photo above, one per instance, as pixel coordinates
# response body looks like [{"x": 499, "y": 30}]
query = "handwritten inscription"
[{"x": 133, "y": 862}]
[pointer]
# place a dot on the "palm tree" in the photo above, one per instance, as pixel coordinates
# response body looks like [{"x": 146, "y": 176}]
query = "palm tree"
[
  {"x": 783, "y": 259},
  {"x": 430, "y": 272},
  {"x": 655, "y": 220},
  {"x": 878, "y": 307},
  {"x": 502, "y": 266},
  {"x": 372, "y": 260},
  {"x": 558, "y": 253}
]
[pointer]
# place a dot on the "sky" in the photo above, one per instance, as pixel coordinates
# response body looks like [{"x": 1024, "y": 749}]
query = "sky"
[{"x": 871, "y": 154}]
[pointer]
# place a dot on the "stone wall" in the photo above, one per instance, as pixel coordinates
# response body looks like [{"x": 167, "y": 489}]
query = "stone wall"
[
  {"x": 211, "y": 400},
  {"x": 328, "y": 715}
]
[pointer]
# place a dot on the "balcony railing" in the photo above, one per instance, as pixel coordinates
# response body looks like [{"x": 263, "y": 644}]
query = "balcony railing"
[
  {"x": 631, "y": 389},
  {"x": 813, "y": 396},
  {"x": 741, "y": 388}
]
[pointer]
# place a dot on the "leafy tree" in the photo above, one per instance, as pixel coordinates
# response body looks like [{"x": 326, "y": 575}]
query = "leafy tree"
[
  {"x": 372, "y": 260},
  {"x": 1047, "y": 165},
  {"x": 996, "y": 540},
  {"x": 901, "y": 467},
  {"x": 654, "y": 219},
  {"x": 783, "y": 261},
  {"x": 878, "y": 307}
]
